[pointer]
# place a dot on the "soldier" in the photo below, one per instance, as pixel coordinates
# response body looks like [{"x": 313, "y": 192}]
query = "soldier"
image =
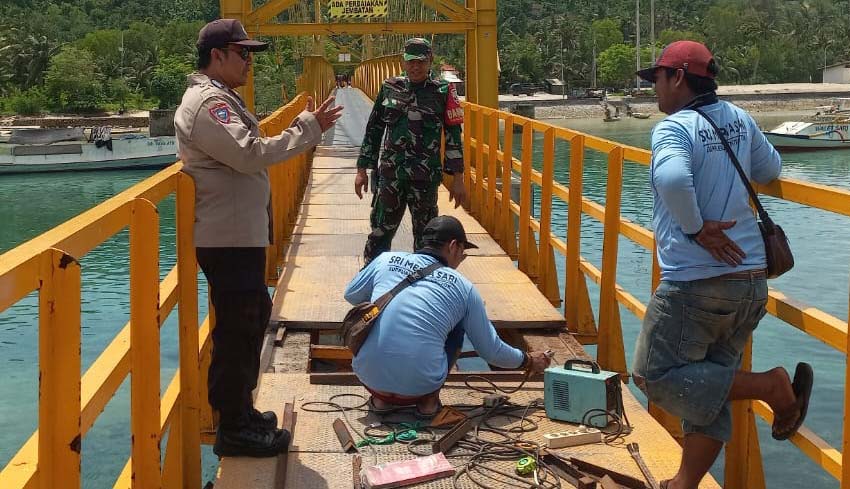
[
  {"x": 222, "y": 149},
  {"x": 415, "y": 109}
]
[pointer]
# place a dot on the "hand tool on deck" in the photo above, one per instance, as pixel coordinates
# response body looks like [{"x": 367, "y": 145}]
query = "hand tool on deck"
[
  {"x": 599, "y": 472},
  {"x": 634, "y": 450},
  {"x": 343, "y": 435}
]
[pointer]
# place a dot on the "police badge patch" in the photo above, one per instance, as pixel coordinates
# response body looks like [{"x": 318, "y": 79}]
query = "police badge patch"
[{"x": 221, "y": 113}]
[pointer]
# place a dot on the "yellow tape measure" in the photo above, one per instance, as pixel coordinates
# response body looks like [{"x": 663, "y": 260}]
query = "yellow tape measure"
[{"x": 526, "y": 465}]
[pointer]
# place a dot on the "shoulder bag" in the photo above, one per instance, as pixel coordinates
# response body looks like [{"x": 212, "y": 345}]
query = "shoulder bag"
[
  {"x": 776, "y": 247},
  {"x": 359, "y": 320}
]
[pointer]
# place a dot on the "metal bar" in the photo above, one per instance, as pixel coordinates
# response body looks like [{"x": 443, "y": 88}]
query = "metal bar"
[
  {"x": 144, "y": 346},
  {"x": 595, "y": 470},
  {"x": 447, "y": 441},
  {"x": 348, "y": 378},
  {"x": 634, "y": 451},
  {"x": 59, "y": 437},
  {"x": 343, "y": 435},
  {"x": 288, "y": 423},
  {"x": 445, "y": 27},
  {"x": 356, "y": 464}
]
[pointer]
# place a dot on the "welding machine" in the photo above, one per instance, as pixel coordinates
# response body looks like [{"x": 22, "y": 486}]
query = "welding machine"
[{"x": 582, "y": 395}]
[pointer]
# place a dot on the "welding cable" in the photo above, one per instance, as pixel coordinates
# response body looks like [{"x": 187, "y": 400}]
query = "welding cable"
[
  {"x": 334, "y": 407},
  {"x": 493, "y": 387}
]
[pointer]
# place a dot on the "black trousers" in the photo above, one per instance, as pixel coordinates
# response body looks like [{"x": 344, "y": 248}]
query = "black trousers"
[{"x": 236, "y": 277}]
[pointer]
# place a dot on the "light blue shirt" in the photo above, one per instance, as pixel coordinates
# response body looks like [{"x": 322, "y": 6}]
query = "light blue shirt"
[
  {"x": 693, "y": 180},
  {"x": 405, "y": 351}
]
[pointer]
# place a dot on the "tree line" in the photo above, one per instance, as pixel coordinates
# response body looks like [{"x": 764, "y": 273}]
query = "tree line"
[{"x": 90, "y": 55}]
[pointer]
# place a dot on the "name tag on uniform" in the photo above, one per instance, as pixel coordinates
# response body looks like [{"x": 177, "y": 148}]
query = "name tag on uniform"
[{"x": 221, "y": 113}]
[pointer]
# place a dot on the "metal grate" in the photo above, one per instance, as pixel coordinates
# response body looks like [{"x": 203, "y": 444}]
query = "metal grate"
[{"x": 561, "y": 393}]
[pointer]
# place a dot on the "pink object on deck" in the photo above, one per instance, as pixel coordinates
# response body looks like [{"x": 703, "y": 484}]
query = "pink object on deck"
[{"x": 406, "y": 472}]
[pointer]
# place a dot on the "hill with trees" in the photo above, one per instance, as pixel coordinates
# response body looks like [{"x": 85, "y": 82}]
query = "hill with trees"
[{"x": 91, "y": 55}]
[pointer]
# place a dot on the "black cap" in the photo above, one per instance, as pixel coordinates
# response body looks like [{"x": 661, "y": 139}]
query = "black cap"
[
  {"x": 219, "y": 33},
  {"x": 443, "y": 229}
]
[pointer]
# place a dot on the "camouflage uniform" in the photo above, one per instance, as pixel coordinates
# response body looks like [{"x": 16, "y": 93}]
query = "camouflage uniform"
[{"x": 409, "y": 172}]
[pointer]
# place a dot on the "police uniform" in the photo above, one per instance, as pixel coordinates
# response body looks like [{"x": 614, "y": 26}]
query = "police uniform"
[
  {"x": 222, "y": 148},
  {"x": 405, "y": 126}
]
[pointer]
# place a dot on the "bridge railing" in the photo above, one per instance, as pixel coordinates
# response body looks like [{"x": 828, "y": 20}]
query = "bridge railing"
[
  {"x": 68, "y": 403},
  {"x": 369, "y": 75},
  {"x": 316, "y": 78},
  {"x": 533, "y": 242}
]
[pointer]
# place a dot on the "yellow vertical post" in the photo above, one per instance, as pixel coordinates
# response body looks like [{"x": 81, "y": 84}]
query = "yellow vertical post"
[
  {"x": 478, "y": 201},
  {"x": 144, "y": 345},
  {"x": 548, "y": 280},
  {"x": 577, "y": 309},
  {"x": 527, "y": 245},
  {"x": 743, "y": 455},
  {"x": 318, "y": 47},
  {"x": 611, "y": 354},
  {"x": 845, "y": 443},
  {"x": 493, "y": 157},
  {"x": 468, "y": 155},
  {"x": 172, "y": 477},
  {"x": 187, "y": 277},
  {"x": 471, "y": 75},
  {"x": 59, "y": 437},
  {"x": 508, "y": 231},
  {"x": 239, "y": 9},
  {"x": 487, "y": 54}
]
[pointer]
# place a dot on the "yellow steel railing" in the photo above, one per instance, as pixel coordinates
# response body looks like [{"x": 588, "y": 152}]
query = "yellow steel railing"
[
  {"x": 70, "y": 404},
  {"x": 316, "y": 78},
  {"x": 369, "y": 75},
  {"x": 533, "y": 245}
]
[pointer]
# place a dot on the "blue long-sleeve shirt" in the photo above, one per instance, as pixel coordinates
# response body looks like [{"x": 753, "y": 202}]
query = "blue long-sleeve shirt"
[
  {"x": 694, "y": 180},
  {"x": 405, "y": 352}
]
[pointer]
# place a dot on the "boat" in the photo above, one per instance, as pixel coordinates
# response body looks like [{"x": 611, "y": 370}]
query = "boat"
[
  {"x": 640, "y": 115},
  {"x": 829, "y": 128},
  {"x": 30, "y": 150}
]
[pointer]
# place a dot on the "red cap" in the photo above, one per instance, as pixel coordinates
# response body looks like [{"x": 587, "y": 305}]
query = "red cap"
[
  {"x": 691, "y": 56},
  {"x": 219, "y": 33}
]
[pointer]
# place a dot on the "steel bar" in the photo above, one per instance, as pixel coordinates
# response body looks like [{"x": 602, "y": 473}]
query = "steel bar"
[{"x": 288, "y": 424}]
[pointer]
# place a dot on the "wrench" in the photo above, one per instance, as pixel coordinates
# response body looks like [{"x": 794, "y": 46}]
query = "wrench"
[{"x": 634, "y": 451}]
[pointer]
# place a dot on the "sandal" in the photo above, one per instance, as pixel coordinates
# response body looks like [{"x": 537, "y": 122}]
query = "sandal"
[
  {"x": 422, "y": 415},
  {"x": 802, "y": 385},
  {"x": 663, "y": 484},
  {"x": 370, "y": 403}
]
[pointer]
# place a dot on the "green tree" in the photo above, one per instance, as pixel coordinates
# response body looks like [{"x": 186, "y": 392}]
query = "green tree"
[
  {"x": 168, "y": 81},
  {"x": 616, "y": 65},
  {"x": 73, "y": 83},
  {"x": 606, "y": 33}
]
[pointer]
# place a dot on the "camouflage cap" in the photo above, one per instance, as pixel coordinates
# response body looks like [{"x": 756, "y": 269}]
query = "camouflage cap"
[{"x": 417, "y": 48}]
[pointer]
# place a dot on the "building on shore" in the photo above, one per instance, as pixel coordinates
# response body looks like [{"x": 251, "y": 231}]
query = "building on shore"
[{"x": 837, "y": 73}]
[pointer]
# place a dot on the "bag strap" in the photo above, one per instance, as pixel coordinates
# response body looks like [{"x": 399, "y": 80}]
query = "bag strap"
[
  {"x": 765, "y": 219},
  {"x": 405, "y": 282}
]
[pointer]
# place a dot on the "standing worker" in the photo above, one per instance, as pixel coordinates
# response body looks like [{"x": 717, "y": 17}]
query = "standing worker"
[
  {"x": 415, "y": 110},
  {"x": 222, "y": 149},
  {"x": 713, "y": 288}
]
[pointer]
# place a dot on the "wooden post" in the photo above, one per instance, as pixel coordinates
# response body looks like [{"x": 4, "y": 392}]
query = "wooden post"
[
  {"x": 59, "y": 436},
  {"x": 743, "y": 455},
  {"x": 493, "y": 147},
  {"x": 508, "y": 230},
  {"x": 144, "y": 345},
  {"x": 478, "y": 203},
  {"x": 527, "y": 245}
]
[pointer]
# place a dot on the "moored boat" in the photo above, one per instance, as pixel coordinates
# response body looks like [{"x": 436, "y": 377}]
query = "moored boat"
[
  {"x": 45, "y": 150},
  {"x": 829, "y": 128}
]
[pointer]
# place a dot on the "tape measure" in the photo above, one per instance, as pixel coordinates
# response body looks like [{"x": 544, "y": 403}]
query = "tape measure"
[{"x": 526, "y": 465}]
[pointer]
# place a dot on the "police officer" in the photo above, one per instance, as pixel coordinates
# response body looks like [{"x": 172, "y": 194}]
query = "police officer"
[
  {"x": 222, "y": 149},
  {"x": 414, "y": 109}
]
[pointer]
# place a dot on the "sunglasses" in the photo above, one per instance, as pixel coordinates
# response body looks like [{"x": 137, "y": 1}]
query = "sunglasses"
[{"x": 243, "y": 52}]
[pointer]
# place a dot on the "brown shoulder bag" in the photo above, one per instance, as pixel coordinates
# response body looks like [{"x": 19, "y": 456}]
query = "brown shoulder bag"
[
  {"x": 776, "y": 247},
  {"x": 359, "y": 320}
]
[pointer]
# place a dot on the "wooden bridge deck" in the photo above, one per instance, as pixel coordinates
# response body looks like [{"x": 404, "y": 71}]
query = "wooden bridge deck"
[{"x": 324, "y": 254}]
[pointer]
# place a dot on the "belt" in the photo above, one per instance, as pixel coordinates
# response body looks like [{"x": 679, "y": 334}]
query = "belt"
[{"x": 760, "y": 273}]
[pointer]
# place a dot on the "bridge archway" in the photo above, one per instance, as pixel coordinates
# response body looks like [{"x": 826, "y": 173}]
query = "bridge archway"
[{"x": 474, "y": 19}]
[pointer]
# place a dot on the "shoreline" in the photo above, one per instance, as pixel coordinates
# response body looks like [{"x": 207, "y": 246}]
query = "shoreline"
[{"x": 753, "y": 105}]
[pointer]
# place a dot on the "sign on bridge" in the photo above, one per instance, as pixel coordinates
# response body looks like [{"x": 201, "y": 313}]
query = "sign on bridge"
[{"x": 357, "y": 9}]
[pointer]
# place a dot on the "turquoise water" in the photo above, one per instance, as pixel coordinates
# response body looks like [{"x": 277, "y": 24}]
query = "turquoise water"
[{"x": 33, "y": 204}]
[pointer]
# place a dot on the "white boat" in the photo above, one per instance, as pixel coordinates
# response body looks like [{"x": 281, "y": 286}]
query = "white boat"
[
  {"x": 829, "y": 128},
  {"x": 44, "y": 150}
]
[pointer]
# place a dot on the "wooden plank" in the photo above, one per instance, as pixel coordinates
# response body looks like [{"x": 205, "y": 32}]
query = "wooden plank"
[
  {"x": 279, "y": 335},
  {"x": 518, "y": 306},
  {"x": 329, "y": 352}
]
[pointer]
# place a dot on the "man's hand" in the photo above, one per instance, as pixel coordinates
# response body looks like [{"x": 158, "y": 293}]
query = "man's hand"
[
  {"x": 457, "y": 192},
  {"x": 714, "y": 240},
  {"x": 327, "y": 117},
  {"x": 361, "y": 182},
  {"x": 537, "y": 362}
]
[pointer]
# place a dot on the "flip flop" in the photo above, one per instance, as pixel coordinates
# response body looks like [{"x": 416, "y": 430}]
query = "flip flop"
[
  {"x": 802, "y": 385},
  {"x": 663, "y": 484},
  {"x": 420, "y": 415}
]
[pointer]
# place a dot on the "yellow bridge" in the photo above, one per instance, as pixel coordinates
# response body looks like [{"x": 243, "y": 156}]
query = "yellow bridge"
[{"x": 318, "y": 216}]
